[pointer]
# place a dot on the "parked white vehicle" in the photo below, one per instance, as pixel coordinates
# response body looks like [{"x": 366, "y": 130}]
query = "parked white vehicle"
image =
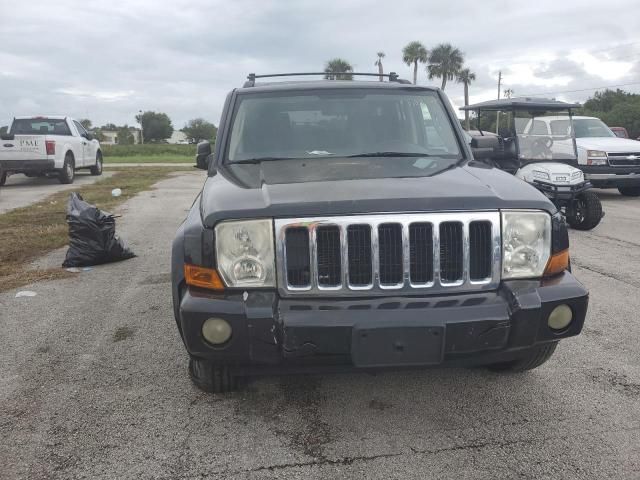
[
  {"x": 607, "y": 161},
  {"x": 46, "y": 146}
]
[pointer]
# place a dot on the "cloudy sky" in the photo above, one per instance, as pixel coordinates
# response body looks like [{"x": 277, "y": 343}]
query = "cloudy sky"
[{"x": 108, "y": 59}]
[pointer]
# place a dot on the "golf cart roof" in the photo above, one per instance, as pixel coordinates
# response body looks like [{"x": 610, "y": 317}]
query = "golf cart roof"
[{"x": 524, "y": 103}]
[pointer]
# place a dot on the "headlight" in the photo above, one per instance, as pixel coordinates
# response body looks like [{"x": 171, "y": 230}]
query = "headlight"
[
  {"x": 596, "y": 154},
  {"x": 541, "y": 175},
  {"x": 596, "y": 157},
  {"x": 244, "y": 251},
  {"x": 526, "y": 243}
]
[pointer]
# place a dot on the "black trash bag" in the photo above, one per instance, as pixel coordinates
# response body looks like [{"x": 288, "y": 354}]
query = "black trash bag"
[{"x": 92, "y": 236}]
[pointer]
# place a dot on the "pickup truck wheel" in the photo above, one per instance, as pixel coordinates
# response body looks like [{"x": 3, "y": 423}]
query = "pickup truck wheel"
[
  {"x": 97, "y": 168},
  {"x": 68, "y": 172},
  {"x": 630, "y": 191},
  {"x": 3, "y": 178},
  {"x": 210, "y": 377},
  {"x": 586, "y": 211},
  {"x": 532, "y": 359}
]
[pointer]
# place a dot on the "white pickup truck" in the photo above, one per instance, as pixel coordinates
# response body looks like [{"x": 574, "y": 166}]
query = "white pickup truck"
[
  {"x": 47, "y": 146},
  {"x": 606, "y": 160}
]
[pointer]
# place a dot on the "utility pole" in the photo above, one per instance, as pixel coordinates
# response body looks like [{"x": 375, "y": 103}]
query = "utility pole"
[
  {"x": 499, "y": 86},
  {"x": 141, "y": 134}
]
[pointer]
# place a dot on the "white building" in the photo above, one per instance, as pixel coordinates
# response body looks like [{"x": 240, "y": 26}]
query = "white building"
[
  {"x": 111, "y": 136},
  {"x": 178, "y": 137}
]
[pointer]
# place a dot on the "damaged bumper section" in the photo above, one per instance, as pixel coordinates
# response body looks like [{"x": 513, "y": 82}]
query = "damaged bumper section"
[{"x": 280, "y": 334}]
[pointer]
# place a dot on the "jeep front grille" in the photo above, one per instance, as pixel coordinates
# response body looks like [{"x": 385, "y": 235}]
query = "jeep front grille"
[{"x": 388, "y": 254}]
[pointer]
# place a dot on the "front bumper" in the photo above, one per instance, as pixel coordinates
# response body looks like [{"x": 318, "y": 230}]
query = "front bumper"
[
  {"x": 612, "y": 177},
  {"x": 562, "y": 192},
  {"x": 272, "y": 333},
  {"x": 20, "y": 166}
]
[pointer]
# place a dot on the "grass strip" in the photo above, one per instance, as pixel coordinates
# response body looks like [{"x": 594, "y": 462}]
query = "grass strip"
[
  {"x": 149, "y": 159},
  {"x": 30, "y": 232}
]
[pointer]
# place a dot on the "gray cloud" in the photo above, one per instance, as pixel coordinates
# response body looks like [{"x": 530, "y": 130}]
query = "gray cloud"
[{"x": 107, "y": 60}]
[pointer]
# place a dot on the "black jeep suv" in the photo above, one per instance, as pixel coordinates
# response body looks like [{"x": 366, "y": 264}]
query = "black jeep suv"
[{"x": 346, "y": 225}]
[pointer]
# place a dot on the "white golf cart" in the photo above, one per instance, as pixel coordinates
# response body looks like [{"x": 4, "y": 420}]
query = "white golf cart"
[{"x": 548, "y": 161}]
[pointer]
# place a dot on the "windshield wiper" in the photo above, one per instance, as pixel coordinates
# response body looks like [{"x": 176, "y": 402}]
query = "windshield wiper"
[
  {"x": 255, "y": 161},
  {"x": 389, "y": 154}
]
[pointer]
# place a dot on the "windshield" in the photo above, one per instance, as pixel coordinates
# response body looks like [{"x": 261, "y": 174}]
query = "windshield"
[
  {"x": 40, "y": 126},
  {"x": 341, "y": 123},
  {"x": 591, "y": 127},
  {"x": 544, "y": 136}
]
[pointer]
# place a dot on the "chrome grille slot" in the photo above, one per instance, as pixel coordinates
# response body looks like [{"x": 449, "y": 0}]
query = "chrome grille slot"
[
  {"x": 328, "y": 256},
  {"x": 451, "y": 252},
  {"x": 388, "y": 254},
  {"x": 298, "y": 262},
  {"x": 479, "y": 250},
  {"x": 359, "y": 252},
  {"x": 421, "y": 253}
]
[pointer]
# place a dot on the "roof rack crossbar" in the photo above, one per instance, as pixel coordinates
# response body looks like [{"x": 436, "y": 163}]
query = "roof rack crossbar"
[{"x": 392, "y": 76}]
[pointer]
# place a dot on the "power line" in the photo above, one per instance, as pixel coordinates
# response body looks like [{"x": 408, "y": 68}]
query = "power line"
[{"x": 580, "y": 90}]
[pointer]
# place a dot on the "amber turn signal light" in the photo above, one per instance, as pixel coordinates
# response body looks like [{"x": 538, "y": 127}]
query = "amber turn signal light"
[
  {"x": 203, "y": 277},
  {"x": 558, "y": 263}
]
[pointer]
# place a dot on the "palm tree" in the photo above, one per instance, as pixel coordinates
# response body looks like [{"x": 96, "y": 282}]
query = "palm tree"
[
  {"x": 378, "y": 64},
  {"x": 466, "y": 76},
  {"x": 413, "y": 53},
  {"x": 338, "y": 69},
  {"x": 445, "y": 61}
]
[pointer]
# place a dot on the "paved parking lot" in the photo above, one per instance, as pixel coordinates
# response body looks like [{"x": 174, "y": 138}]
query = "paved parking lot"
[
  {"x": 20, "y": 191},
  {"x": 93, "y": 384}
]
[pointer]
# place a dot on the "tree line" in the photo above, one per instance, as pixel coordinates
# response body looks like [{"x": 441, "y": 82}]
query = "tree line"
[
  {"x": 156, "y": 128},
  {"x": 444, "y": 62},
  {"x": 616, "y": 108}
]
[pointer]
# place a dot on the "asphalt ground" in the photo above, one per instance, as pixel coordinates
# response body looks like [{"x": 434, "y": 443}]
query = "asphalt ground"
[
  {"x": 20, "y": 190},
  {"x": 93, "y": 384}
]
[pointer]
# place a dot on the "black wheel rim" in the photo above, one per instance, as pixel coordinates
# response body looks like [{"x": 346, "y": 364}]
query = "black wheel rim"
[{"x": 580, "y": 212}]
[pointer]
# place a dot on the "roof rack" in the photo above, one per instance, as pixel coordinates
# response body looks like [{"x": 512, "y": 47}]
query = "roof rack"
[{"x": 392, "y": 76}]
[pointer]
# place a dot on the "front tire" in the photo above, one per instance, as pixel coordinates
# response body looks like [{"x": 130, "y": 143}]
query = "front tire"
[
  {"x": 68, "y": 172},
  {"x": 97, "y": 168},
  {"x": 586, "y": 211},
  {"x": 630, "y": 191},
  {"x": 3, "y": 178},
  {"x": 532, "y": 359},
  {"x": 210, "y": 377}
]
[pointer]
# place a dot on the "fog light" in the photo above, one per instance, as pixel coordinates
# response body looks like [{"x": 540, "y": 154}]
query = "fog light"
[
  {"x": 560, "y": 317},
  {"x": 216, "y": 331}
]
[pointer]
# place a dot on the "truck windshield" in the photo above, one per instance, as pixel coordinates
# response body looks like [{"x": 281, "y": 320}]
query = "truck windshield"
[
  {"x": 544, "y": 136},
  {"x": 591, "y": 127},
  {"x": 340, "y": 123},
  {"x": 40, "y": 126}
]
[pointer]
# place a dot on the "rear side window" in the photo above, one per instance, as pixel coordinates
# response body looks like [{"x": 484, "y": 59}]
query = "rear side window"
[
  {"x": 40, "y": 126},
  {"x": 80, "y": 128}
]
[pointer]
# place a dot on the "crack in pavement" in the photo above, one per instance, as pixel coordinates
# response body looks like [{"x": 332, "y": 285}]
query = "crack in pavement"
[
  {"x": 367, "y": 458},
  {"x": 603, "y": 273},
  {"x": 413, "y": 452}
]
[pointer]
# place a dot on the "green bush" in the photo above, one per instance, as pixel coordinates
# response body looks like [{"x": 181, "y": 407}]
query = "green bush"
[{"x": 148, "y": 149}]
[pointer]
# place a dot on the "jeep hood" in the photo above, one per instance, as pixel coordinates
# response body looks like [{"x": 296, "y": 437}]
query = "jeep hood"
[
  {"x": 293, "y": 189},
  {"x": 609, "y": 144}
]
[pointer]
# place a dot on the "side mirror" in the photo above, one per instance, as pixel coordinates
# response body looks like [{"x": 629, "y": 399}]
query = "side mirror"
[
  {"x": 7, "y": 136},
  {"x": 484, "y": 146},
  {"x": 88, "y": 136},
  {"x": 204, "y": 155}
]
